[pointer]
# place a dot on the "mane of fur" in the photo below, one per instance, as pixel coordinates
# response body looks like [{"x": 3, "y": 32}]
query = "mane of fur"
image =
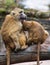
[
  {"x": 9, "y": 29},
  {"x": 10, "y": 26}
]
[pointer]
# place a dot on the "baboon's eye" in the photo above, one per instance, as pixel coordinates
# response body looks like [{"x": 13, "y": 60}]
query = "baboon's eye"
[{"x": 13, "y": 13}]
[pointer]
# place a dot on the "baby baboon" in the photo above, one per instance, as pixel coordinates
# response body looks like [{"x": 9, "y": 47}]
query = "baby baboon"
[{"x": 36, "y": 31}]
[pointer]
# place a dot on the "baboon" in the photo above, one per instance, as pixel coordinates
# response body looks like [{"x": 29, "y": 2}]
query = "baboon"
[
  {"x": 13, "y": 36},
  {"x": 36, "y": 31},
  {"x": 36, "y": 34}
]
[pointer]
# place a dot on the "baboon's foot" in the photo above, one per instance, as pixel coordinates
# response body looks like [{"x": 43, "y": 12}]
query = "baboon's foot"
[{"x": 24, "y": 47}]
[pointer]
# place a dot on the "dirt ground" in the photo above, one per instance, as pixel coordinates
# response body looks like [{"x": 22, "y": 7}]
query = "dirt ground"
[{"x": 45, "y": 62}]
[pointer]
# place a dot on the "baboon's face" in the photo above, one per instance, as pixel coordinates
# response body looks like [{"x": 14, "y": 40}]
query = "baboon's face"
[{"x": 16, "y": 13}]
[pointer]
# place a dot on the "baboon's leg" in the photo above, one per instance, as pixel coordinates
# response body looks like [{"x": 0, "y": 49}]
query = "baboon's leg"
[
  {"x": 38, "y": 53},
  {"x": 8, "y": 54},
  {"x": 15, "y": 39},
  {"x": 29, "y": 40},
  {"x": 22, "y": 41}
]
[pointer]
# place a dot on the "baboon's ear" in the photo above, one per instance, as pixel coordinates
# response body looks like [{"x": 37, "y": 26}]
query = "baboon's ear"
[{"x": 12, "y": 13}]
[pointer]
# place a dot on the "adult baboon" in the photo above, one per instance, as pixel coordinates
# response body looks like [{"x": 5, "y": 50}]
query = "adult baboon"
[{"x": 12, "y": 34}]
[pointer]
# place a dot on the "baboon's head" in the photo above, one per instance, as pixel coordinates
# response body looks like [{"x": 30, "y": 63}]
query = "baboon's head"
[
  {"x": 26, "y": 25},
  {"x": 16, "y": 13}
]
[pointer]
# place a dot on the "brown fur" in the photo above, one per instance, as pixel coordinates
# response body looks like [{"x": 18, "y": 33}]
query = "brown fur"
[
  {"x": 10, "y": 29},
  {"x": 36, "y": 31},
  {"x": 12, "y": 35}
]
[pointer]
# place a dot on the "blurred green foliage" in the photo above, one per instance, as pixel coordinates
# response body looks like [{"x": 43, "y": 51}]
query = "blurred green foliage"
[
  {"x": 9, "y": 1},
  {"x": 9, "y": 5}
]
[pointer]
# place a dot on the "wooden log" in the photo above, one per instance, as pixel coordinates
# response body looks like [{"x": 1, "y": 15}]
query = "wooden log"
[
  {"x": 29, "y": 54},
  {"x": 24, "y": 57}
]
